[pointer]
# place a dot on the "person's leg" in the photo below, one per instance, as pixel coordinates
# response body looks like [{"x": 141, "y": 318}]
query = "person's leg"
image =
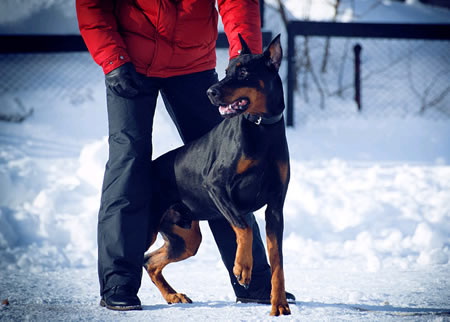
[
  {"x": 260, "y": 285},
  {"x": 126, "y": 193},
  {"x": 187, "y": 103}
]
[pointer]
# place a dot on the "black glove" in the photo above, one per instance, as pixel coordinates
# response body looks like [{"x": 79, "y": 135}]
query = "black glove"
[{"x": 124, "y": 81}]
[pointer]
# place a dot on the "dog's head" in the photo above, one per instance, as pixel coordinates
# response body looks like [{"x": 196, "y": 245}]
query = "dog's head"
[{"x": 251, "y": 84}]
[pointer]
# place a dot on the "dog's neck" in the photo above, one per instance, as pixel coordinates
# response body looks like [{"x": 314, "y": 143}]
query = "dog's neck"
[
  {"x": 263, "y": 120},
  {"x": 274, "y": 100}
]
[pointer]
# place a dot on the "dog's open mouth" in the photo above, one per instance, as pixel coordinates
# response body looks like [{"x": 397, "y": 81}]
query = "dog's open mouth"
[{"x": 234, "y": 108}]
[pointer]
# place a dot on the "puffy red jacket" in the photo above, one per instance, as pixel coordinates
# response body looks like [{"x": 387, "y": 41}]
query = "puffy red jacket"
[{"x": 164, "y": 38}]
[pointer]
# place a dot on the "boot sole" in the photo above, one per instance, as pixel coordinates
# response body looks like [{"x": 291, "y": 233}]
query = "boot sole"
[
  {"x": 267, "y": 302},
  {"x": 120, "y": 308},
  {"x": 289, "y": 297}
]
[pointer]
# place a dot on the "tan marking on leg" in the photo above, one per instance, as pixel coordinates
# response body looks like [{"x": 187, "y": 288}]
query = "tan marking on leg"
[
  {"x": 244, "y": 164},
  {"x": 283, "y": 167},
  {"x": 192, "y": 237},
  {"x": 243, "y": 263},
  {"x": 278, "y": 294},
  {"x": 160, "y": 258}
]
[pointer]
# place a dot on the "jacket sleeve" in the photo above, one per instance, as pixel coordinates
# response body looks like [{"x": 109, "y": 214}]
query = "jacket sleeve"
[
  {"x": 241, "y": 16},
  {"x": 98, "y": 27}
]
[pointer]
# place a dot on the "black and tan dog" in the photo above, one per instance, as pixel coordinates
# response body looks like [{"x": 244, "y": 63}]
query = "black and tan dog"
[{"x": 237, "y": 168}]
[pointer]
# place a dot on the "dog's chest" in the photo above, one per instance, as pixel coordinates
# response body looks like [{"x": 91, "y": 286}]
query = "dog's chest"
[{"x": 238, "y": 179}]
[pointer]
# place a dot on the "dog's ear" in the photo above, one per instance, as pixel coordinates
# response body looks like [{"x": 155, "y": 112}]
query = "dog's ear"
[
  {"x": 244, "y": 47},
  {"x": 274, "y": 53}
]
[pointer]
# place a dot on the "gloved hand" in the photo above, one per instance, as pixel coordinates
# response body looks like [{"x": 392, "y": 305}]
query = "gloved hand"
[{"x": 124, "y": 81}]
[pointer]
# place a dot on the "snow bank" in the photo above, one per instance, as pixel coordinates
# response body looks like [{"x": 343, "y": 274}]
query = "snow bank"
[
  {"x": 50, "y": 196},
  {"x": 377, "y": 215},
  {"x": 350, "y": 204}
]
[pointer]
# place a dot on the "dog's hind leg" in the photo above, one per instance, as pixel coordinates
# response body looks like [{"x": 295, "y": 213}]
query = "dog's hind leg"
[{"x": 181, "y": 240}]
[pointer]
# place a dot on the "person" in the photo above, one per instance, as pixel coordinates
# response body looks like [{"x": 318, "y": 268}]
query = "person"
[{"x": 148, "y": 48}]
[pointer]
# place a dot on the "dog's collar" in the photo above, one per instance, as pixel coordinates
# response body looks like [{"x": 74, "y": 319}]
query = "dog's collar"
[{"x": 258, "y": 119}]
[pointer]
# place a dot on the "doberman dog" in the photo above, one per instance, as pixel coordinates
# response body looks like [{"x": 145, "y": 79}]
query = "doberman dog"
[{"x": 238, "y": 167}]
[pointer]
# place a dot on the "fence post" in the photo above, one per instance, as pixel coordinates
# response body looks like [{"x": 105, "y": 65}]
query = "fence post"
[
  {"x": 261, "y": 12},
  {"x": 291, "y": 77},
  {"x": 357, "y": 51}
]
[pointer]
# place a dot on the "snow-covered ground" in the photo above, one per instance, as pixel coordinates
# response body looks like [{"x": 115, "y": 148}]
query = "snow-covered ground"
[{"x": 367, "y": 216}]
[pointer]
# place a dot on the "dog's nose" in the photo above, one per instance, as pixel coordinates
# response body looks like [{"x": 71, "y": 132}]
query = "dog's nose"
[{"x": 212, "y": 92}]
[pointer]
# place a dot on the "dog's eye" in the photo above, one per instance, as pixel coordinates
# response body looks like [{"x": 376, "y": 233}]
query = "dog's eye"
[{"x": 243, "y": 73}]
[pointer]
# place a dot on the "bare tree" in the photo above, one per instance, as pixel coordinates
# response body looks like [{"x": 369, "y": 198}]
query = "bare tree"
[
  {"x": 425, "y": 95},
  {"x": 303, "y": 65},
  {"x": 340, "y": 84},
  {"x": 323, "y": 69},
  {"x": 18, "y": 112},
  {"x": 283, "y": 14}
]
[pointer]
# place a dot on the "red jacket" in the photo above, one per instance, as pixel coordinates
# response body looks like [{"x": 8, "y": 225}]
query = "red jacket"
[{"x": 164, "y": 38}]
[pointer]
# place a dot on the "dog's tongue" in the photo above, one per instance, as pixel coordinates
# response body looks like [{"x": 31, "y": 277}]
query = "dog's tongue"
[
  {"x": 226, "y": 109},
  {"x": 231, "y": 108}
]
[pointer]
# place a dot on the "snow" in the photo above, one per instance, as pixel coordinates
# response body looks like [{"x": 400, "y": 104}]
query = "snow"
[
  {"x": 367, "y": 229},
  {"x": 43, "y": 16},
  {"x": 388, "y": 11}
]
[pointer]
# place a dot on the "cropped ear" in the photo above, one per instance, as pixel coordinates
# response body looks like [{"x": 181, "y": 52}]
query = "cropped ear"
[
  {"x": 244, "y": 48},
  {"x": 274, "y": 53}
]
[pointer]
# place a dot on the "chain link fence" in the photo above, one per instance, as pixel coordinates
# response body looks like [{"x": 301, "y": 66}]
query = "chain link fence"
[
  {"x": 398, "y": 78},
  {"x": 338, "y": 70},
  {"x": 27, "y": 80},
  {"x": 31, "y": 81}
]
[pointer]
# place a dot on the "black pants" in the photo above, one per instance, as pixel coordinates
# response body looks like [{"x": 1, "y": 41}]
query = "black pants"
[{"x": 125, "y": 203}]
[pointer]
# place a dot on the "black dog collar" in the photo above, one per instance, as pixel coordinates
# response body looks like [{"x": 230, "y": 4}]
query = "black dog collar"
[{"x": 258, "y": 119}]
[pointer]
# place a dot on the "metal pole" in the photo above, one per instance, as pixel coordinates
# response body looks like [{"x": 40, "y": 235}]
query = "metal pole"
[
  {"x": 357, "y": 51},
  {"x": 261, "y": 12},
  {"x": 291, "y": 77}
]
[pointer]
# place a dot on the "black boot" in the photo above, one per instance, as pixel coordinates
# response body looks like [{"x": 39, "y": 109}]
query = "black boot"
[
  {"x": 121, "y": 298},
  {"x": 266, "y": 299}
]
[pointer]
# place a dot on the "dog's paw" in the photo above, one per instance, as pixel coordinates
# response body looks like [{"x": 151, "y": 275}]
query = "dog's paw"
[
  {"x": 177, "y": 298},
  {"x": 243, "y": 274},
  {"x": 280, "y": 309}
]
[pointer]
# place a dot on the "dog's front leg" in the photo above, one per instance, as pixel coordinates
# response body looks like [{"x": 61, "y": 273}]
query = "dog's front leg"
[
  {"x": 243, "y": 262},
  {"x": 274, "y": 230}
]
